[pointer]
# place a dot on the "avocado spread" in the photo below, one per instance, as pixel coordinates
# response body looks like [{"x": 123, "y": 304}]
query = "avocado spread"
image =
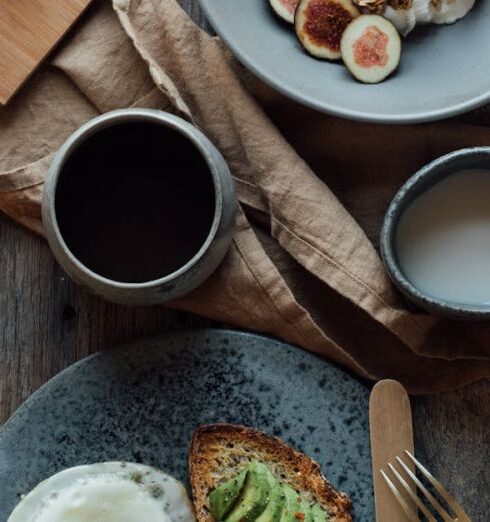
[{"x": 255, "y": 495}]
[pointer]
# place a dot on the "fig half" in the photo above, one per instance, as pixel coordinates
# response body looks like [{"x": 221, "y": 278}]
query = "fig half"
[
  {"x": 371, "y": 48},
  {"x": 320, "y": 24},
  {"x": 285, "y": 9}
]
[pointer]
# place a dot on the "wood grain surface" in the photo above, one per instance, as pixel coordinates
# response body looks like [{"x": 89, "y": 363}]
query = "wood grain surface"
[
  {"x": 48, "y": 323},
  {"x": 29, "y": 30}
]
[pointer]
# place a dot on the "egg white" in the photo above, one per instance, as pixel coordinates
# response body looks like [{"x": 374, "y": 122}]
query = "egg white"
[{"x": 106, "y": 492}]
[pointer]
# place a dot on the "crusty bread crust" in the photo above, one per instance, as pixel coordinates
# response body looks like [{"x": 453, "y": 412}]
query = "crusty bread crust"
[{"x": 219, "y": 451}]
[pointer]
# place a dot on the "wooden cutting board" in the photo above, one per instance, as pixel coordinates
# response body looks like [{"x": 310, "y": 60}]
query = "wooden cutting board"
[{"x": 29, "y": 30}]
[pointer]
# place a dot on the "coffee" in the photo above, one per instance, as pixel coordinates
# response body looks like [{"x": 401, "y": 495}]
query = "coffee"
[{"x": 135, "y": 201}]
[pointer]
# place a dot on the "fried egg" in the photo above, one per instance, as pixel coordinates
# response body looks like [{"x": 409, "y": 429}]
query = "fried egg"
[{"x": 106, "y": 492}]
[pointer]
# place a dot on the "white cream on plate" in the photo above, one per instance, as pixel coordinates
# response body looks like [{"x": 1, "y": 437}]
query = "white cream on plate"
[
  {"x": 443, "y": 239},
  {"x": 427, "y": 12},
  {"x": 106, "y": 492}
]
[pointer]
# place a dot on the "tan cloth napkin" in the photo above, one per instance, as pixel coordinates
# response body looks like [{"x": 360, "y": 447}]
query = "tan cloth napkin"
[{"x": 303, "y": 265}]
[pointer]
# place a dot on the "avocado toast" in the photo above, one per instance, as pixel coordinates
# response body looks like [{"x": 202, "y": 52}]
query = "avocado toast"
[{"x": 239, "y": 474}]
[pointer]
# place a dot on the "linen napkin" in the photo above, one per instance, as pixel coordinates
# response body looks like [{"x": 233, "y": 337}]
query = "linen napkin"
[{"x": 304, "y": 264}]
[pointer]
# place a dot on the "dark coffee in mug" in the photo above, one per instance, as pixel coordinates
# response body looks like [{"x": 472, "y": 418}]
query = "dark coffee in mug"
[{"x": 135, "y": 201}]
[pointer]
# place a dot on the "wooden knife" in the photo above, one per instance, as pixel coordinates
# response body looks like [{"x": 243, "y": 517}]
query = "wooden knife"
[{"x": 390, "y": 419}]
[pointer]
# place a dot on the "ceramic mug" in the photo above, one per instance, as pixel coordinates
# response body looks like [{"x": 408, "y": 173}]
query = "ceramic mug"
[
  {"x": 476, "y": 158},
  {"x": 184, "y": 278}
]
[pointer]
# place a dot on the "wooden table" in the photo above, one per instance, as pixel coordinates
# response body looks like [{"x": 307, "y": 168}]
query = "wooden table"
[{"x": 47, "y": 323}]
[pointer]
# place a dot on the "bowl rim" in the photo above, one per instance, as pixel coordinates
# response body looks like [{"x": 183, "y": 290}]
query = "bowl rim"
[
  {"x": 434, "y": 171},
  {"x": 91, "y": 127}
]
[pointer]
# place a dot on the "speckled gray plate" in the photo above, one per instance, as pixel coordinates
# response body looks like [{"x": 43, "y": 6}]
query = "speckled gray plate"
[
  {"x": 142, "y": 402},
  {"x": 444, "y": 70}
]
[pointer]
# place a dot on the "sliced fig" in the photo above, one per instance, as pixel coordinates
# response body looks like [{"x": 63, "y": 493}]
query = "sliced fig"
[
  {"x": 285, "y": 9},
  {"x": 320, "y": 24},
  {"x": 371, "y": 48}
]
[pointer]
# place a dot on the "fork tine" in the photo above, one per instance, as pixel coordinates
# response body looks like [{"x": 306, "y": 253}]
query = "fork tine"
[
  {"x": 439, "y": 487},
  {"x": 411, "y": 514},
  {"x": 413, "y": 495},
  {"x": 444, "y": 514}
]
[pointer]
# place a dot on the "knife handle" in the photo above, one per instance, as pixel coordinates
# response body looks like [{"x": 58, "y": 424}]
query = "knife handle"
[{"x": 390, "y": 419}]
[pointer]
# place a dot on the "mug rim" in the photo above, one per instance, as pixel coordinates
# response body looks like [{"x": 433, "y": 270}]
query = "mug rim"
[
  {"x": 175, "y": 123},
  {"x": 433, "y": 172}
]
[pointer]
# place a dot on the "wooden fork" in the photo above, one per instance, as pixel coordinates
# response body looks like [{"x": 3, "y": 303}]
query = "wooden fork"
[{"x": 459, "y": 514}]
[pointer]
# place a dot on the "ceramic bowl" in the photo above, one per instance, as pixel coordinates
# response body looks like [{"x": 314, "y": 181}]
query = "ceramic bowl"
[
  {"x": 474, "y": 158},
  {"x": 443, "y": 70},
  {"x": 191, "y": 274}
]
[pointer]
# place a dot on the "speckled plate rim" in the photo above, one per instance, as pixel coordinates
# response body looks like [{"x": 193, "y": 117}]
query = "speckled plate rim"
[
  {"x": 32, "y": 398},
  {"x": 364, "y": 116}
]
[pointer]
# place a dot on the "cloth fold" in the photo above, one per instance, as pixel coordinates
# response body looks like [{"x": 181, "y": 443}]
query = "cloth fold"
[{"x": 312, "y": 189}]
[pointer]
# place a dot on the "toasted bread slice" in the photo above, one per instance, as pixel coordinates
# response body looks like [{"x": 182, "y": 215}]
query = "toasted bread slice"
[{"x": 219, "y": 451}]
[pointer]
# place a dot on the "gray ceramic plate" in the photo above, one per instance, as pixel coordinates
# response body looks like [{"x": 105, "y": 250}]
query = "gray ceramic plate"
[
  {"x": 444, "y": 70},
  {"x": 141, "y": 403}
]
